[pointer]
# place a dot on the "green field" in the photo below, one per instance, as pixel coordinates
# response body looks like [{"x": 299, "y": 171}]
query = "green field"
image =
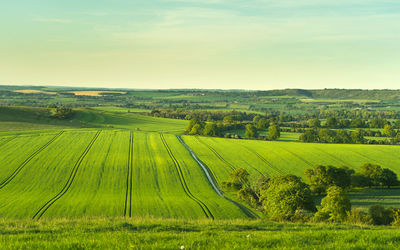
[
  {"x": 116, "y": 173},
  {"x": 193, "y": 234},
  {"x": 106, "y": 173}
]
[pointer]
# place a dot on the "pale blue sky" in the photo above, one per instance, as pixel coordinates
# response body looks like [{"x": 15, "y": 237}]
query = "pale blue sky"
[{"x": 237, "y": 44}]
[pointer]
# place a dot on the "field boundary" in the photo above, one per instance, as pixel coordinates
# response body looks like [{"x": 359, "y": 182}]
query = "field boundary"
[
  {"x": 71, "y": 178},
  {"x": 203, "y": 206},
  {"x": 212, "y": 181},
  {"x": 27, "y": 160},
  {"x": 129, "y": 183}
]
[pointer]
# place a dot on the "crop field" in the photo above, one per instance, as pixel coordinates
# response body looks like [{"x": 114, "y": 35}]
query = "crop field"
[
  {"x": 107, "y": 173},
  {"x": 275, "y": 158}
]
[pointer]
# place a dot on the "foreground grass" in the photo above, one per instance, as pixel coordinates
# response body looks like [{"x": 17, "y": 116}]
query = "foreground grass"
[{"x": 205, "y": 234}]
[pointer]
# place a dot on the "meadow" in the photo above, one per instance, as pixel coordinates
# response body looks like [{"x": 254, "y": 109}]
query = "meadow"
[{"x": 142, "y": 233}]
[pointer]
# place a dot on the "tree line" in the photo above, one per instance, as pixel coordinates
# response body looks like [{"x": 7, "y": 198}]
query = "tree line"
[{"x": 288, "y": 198}]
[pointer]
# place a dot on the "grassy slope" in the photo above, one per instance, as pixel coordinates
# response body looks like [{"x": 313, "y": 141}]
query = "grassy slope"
[
  {"x": 292, "y": 157},
  {"x": 98, "y": 186},
  {"x": 28, "y": 118},
  {"x": 203, "y": 234}
]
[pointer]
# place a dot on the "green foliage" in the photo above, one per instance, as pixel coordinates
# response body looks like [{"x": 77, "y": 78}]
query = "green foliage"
[
  {"x": 334, "y": 206},
  {"x": 285, "y": 195},
  {"x": 389, "y": 131},
  {"x": 251, "y": 131},
  {"x": 358, "y": 217},
  {"x": 62, "y": 112},
  {"x": 322, "y": 177},
  {"x": 380, "y": 215},
  {"x": 248, "y": 195},
  {"x": 274, "y": 132},
  {"x": 314, "y": 123},
  {"x": 378, "y": 176},
  {"x": 210, "y": 129}
]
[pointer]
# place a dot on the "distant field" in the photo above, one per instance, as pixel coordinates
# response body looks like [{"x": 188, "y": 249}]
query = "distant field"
[
  {"x": 96, "y": 93},
  {"x": 34, "y": 91}
]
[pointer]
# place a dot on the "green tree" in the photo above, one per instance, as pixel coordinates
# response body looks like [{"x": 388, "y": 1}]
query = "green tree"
[
  {"x": 196, "y": 130},
  {"x": 322, "y": 177},
  {"x": 326, "y": 135},
  {"x": 192, "y": 122},
  {"x": 357, "y": 136},
  {"x": 251, "y": 131},
  {"x": 210, "y": 129},
  {"x": 314, "y": 123},
  {"x": 284, "y": 195},
  {"x": 310, "y": 135},
  {"x": 373, "y": 173},
  {"x": 334, "y": 206},
  {"x": 240, "y": 176},
  {"x": 262, "y": 123},
  {"x": 331, "y": 122},
  {"x": 389, "y": 131},
  {"x": 388, "y": 178},
  {"x": 380, "y": 215},
  {"x": 274, "y": 132}
]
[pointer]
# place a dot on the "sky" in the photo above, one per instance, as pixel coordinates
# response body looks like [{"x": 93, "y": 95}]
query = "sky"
[{"x": 214, "y": 44}]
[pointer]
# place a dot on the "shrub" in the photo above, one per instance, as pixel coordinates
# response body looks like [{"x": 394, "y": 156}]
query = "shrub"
[
  {"x": 380, "y": 215},
  {"x": 334, "y": 206},
  {"x": 359, "y": 217}
]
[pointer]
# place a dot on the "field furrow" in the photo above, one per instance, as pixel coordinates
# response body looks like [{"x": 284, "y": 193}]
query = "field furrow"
[
  {"x": 183, "y": 181},
  {"x": 70, "y": 180},
  {"x": 128, "y": 196},
  {"x": 27, "y": 160}
]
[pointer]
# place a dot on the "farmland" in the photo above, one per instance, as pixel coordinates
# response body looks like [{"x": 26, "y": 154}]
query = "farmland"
[
  {"x": 116, "y": 173},
  {"x": 106, "y": 173}
]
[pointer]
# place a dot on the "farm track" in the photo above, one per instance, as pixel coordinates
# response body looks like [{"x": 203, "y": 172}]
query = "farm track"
[
  {"x": 7, "y": 141},
  {"x": 128, "y": 196},
  {"x": 203, "y": 206},
  {"x": 70, "y": 180},
  {"x": 27, "y": 160},
  {"x": 216, "y": 154},
  {"x": 211, "y": 178},
  {"x": 264, "y": 160}
]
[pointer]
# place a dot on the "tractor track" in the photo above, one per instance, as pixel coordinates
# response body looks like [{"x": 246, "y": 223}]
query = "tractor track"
[
  {"x": 27, "y": 160},
  {"x": 7, "y": 141},
  {"x": 216, "y": 154},
  {"x": 203, "y": 206},
  {"x": 211, "y": 178},
  {"x": 128, "y": 196},
  {"x": 264, "y": 160},
  {"x": 70, "y": 180}
]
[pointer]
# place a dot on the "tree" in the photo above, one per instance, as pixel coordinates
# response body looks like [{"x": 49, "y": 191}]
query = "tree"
[
  {"x": 274, "y": 132},
  {"x": 62, "y": 112},
  {"x": 284, "y": 195},
  {"x": 380, "y": 215},
  {"x": 322, "y": 177},
  {"x": 326, "y": 135},
  {"x": 373, "y": 173},
  {"x": 262, "y": 123},
  {"x": 210, "y": 129},
  {"x": 357, "y": 136},
  {"x": 310, "y": 135},
  {"x": 389, "y": 131},
  {"x": 314, "y": 123},
  {"x": 331, "y": 122},
  {"x": 334, "y": 206},
  {"x": 388, "y": 178},
  {"x": 240, "y": 176},
  {"x": 196, "y": 129},
  {"x": 192, "y": 122},
  {"x": 251, "y": 131}
]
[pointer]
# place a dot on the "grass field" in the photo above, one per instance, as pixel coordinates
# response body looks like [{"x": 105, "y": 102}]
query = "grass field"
[
  {"x": 106, "y": 173},
  {"x": 194, "y": 234},
  {"x": 274, "y": 158}
]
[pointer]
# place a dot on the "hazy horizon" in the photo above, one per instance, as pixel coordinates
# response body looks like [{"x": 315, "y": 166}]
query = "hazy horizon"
[{"x": 212, "y": 44}]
